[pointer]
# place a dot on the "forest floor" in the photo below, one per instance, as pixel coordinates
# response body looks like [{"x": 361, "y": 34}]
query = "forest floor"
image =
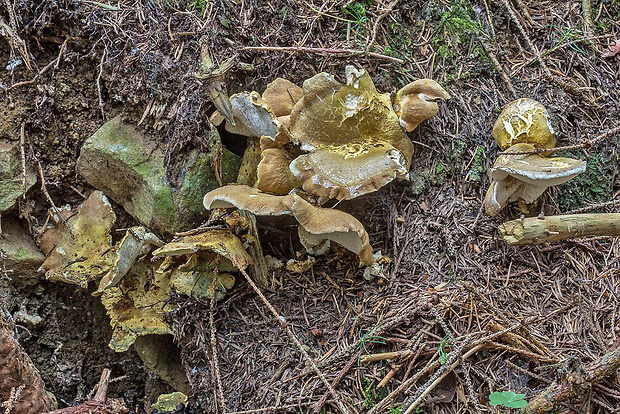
[{"x": 459, "y": 304}]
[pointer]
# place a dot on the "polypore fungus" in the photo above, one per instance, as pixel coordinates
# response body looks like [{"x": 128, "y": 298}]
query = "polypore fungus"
[
  {"x": 417, "y": 102},
  {"x": 525, "y": 177},
  {"x": 524, "y": 121},
  {"x": 317, "y": 225}
]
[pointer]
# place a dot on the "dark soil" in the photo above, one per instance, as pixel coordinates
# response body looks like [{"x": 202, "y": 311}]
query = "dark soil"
[{"x": 451, "y": 277}]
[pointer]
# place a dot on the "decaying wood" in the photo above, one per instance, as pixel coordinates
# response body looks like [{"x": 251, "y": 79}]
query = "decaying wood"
[
  {"x": 536, "y": 230},
  {"x": 576, "y": 385},
  {"x": 21, "y": 387},
  {"x": 100, "y": 404}
]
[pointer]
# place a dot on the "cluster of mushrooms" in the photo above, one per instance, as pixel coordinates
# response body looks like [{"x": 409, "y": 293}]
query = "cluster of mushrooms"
[
  {"x": 523, "y": 172},
  {"x": 325, "y": 141}
]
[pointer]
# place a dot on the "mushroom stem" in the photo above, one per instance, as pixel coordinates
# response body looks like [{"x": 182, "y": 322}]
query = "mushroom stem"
[{"x": 535, "y": 230}]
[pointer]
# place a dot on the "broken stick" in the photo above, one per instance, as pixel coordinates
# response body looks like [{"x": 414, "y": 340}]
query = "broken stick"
[{"x": 536, "y": 230}]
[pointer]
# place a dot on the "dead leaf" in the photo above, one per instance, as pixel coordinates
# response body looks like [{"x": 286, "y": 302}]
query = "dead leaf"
[{"x": 612, "y": 50}]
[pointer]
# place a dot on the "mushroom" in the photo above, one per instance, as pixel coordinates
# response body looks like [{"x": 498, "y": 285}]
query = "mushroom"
[
  {"x": 417, "y": 102},
  {"x": 137, "y": 306},
  {"x": 137, "y": 242},
  {"x": 329, "y": 174},
  {"x": 525, "y": 177},
  {"x": 78, "y": 248},
  {"x": 524, "y": 121},
  {"x": 281, "y": 95},
  {"x": 347, "y": 128},
  {"x": 273, "y": 172},
  {"x": 317, "y": 226}
]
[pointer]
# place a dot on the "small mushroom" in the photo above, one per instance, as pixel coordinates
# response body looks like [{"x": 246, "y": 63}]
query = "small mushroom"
[
  {"x": 317, "y": 224},
  {"x": 525, "y": 177},
  {"x": 417, "y": 102},
  {"x": 524, "y": 121},
  {"x": 281, "y": 95}
]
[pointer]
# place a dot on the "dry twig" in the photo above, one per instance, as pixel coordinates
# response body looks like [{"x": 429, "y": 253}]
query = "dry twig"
[{"x": 321, "y": 50}]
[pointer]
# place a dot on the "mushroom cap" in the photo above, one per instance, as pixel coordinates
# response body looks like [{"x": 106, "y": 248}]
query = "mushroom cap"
[
  {"x": 534, "y": 168},
  {"x": 210, "y": 240},
  {"x": 136, "y": 242},
  {"x": 281, "y": 95},
  {"x": 334, "y": 225},
  {"x": 252, "y": 117},
  {"x": 138, "y": 305},
  {"x": 333, "y": 114},
  {"x": 79, "y": 248},
  {"x": 273, "y": 173},
  {"x": 524, "y": 121},
  {"x": 417, "y": 102},
  {"x": 332, "y": 173},
  {"x": 352, "y": 134},
  {"x": 499, "y": 194},
  {"x": 321, "y": 223},
  {"x": 249, "y": 199}
]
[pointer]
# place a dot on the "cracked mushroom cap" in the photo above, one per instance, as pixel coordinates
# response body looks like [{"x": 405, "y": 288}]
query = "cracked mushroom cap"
[
  {"x": 524, "y": 121},
  {"x": 526, "y": 176},
  {"x": 281, "y": 95},
  {"x": 319, "y": 224},
  {"x": 352, "y": 134},
  {"x": 417, "y": 102}
]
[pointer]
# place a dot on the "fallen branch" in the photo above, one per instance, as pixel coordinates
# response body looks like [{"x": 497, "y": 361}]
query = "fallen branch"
[
  {"x": 534, "y": 230},
  {"x": 576, "y": 385},
  {"x": 343, "y": 52}
]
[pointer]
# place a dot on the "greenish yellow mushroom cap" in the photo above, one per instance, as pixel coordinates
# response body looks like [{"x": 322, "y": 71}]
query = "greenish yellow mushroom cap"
[
  {"x": 352, "y": 135},
  {"x": 524, "y": 121}
]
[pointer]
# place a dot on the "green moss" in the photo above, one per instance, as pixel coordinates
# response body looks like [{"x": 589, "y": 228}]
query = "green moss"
[
  {"x": 593, "y": 186},
  {"x": 477, "y": 168},
  {"x": 455, "y": 32}
]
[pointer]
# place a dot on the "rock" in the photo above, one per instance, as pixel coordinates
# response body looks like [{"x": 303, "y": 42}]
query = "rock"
[
  {"x": 11, "y": 176},
  {"x": 128, "y": 166},
  {"x": 19, "y": 255}
]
